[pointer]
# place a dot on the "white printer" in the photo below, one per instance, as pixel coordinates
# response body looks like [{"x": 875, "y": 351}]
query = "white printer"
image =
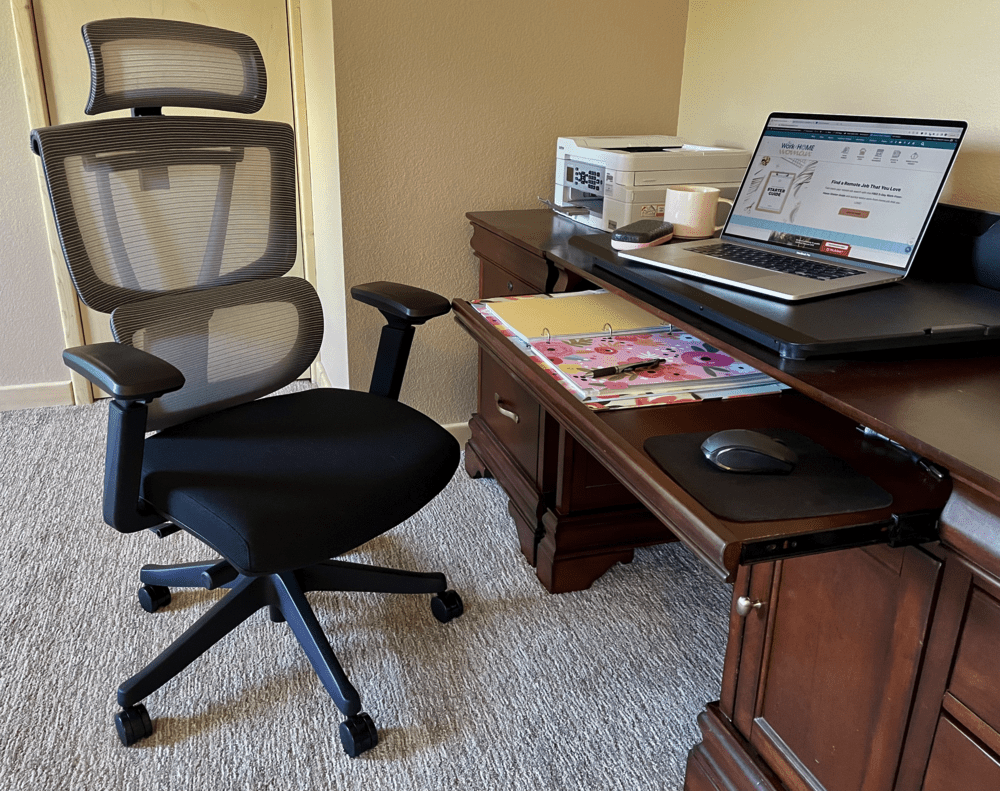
[{"x": 607, "y": 182}]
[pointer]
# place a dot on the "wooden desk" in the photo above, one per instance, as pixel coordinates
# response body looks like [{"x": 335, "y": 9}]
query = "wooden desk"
[{"x": 867, "y": 668}]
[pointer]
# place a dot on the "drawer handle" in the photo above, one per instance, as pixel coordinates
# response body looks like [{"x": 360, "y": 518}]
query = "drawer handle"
[
  {"x": 505, "y": 412},
  {"x": 510, "y": 285},
  {"x": 744, "y": 605}
]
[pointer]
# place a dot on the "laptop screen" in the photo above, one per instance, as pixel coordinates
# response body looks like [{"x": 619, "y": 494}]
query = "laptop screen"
[{"x": 845, "y": 187}]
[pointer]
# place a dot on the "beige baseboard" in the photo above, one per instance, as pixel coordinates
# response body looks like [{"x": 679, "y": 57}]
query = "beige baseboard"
[
  {"x": 319, "y": 375},
  {"x": 459, "y": 431},
  {"x": 35, "y": 395}
]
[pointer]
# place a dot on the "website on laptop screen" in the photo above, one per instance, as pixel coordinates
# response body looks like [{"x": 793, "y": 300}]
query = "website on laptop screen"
[{"x": 845, "y": 188}]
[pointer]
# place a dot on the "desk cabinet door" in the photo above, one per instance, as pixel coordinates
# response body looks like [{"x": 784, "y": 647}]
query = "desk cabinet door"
[{"x": 829, "y": 664}]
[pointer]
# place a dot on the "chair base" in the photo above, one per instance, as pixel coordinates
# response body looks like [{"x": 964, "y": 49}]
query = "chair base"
[{"x": 284, "y": 594}]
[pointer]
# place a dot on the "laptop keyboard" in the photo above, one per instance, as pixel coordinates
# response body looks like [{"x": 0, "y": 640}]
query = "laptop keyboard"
[{"x": 776, "y": 263}]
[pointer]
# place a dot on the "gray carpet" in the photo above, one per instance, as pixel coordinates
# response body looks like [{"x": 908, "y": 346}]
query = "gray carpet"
[{"x": 591, "y": 690}]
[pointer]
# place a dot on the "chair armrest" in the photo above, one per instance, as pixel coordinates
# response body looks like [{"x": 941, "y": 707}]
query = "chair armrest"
[
  {"x": 133, "y": 377},
  {"x": 395, "y": 300},
  {"x": 404, "y": 307},
  {"x": 127, "y": 373}
]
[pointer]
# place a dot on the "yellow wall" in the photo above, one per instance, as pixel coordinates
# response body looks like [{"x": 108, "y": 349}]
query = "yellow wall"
[
  {"x": 446, "y": 107},
  {"x": 449, "y": 107},
  {"x": 30, "y": 331},
  {"x": 921, "y": 58}
]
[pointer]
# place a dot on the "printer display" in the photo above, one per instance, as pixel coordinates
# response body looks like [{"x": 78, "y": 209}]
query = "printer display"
[{"x": 606, "y": 182}]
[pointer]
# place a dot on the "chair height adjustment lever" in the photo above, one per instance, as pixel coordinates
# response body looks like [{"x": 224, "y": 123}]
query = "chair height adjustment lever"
[
  {"x": 221, "y": 574},
  {"x": 164, "y": 530}
]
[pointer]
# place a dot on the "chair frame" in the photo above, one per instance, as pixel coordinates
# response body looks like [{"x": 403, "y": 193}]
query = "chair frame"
[{"x": 134, "y": 378}]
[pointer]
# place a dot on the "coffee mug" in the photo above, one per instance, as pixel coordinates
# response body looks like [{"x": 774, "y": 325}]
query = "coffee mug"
[{"x": 692, "y": 211}]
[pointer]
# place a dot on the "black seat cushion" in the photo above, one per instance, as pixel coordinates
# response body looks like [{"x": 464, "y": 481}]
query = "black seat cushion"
[{"x": 289, "y": 481}]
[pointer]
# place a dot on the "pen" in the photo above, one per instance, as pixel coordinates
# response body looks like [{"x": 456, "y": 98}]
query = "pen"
[{"x": 600, "y": 373}]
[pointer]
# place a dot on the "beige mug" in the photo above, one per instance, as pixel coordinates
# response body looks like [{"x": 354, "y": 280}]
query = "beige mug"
[{"x": 692, "y": 211}]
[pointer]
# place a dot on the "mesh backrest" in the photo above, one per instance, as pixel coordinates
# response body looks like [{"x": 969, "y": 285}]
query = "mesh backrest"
[
  {"x": 146, "y": 206},
  {"x": 162, "y": 63},
  {"x": 182, "y": 227},
  {"x": 232, "y": 343}
]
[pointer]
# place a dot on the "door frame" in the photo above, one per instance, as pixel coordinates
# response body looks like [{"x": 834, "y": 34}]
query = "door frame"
[{"x": 311, "y": 60}]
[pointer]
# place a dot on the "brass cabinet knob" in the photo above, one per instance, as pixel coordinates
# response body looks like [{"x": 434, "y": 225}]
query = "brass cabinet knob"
[{"x": 744, "y": 604}]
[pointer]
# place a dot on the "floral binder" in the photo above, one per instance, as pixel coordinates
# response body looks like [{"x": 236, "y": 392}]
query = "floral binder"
[
  {"x": 693, "y": 370},
  {"x": 689, "y": 364}
]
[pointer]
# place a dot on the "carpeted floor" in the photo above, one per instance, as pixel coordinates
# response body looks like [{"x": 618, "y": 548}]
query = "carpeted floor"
[{"x": 591, "y": 690}]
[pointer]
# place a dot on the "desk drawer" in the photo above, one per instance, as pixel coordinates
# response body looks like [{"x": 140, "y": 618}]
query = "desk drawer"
[
  {"x": 497, "y": 282},
  {"x": 511, "y": 413},
  {"x": 975, "y": 678},
  {"x": 524, "y": 265},
  {"x": 959, "y": 763},
  {"x": 913, "y": 491}
]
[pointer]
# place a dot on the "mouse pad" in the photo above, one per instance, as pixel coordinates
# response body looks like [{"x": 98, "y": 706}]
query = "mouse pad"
[{"x": 820, "y": 485}]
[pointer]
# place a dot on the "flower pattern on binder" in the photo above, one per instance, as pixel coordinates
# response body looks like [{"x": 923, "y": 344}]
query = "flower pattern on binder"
[
  {"x": 687, "y": 359},
  {"x": 671, "y": 383}
]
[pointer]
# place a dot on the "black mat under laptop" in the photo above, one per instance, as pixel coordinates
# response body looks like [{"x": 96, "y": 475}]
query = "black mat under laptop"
[
  {"x": 820, "y": 485},
  {"x": 921, "y": 310}
]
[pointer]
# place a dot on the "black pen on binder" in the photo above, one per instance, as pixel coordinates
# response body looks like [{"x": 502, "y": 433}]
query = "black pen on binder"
[{"x": 600, "y": 373}]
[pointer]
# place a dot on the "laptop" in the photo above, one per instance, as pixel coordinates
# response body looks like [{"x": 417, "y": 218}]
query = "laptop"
[{"x": 829, "y": 203}]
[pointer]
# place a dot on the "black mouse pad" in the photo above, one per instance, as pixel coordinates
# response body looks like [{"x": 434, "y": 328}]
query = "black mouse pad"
[{"x": 821, "y": 483}]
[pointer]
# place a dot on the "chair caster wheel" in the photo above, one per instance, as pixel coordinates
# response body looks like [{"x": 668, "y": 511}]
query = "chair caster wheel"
[
  {"x": 447, "y": 606},
  {"x": 358, "y": 734},
  {"x": 154, "y": 597},
  {"x": 133, "y": 724},
  {"x": 275, "y": 614}
]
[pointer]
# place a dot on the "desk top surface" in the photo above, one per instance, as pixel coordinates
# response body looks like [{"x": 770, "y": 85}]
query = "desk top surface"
[{"x": 941, "y": 402}]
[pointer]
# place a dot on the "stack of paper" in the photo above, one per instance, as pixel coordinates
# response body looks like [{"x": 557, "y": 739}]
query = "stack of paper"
[{"x": 573, "y": 335}]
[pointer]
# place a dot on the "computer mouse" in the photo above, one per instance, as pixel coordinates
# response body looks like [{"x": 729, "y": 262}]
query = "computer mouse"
[{"x": 742, "y": 450}]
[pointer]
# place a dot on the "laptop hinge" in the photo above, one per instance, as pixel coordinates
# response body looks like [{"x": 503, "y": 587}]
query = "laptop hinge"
[{"x": 899, "y": 530}]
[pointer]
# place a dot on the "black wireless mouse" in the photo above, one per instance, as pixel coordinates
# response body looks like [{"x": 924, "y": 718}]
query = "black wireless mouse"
[{"x": 742, "y": 450}]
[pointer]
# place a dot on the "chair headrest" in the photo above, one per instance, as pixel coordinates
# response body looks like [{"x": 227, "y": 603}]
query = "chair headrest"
[{"x": 153, "y": 63}]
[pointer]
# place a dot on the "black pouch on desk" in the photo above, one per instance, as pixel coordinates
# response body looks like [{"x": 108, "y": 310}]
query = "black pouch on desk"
[
  {"x": 820, "y": 485},
  {"x": 642, "y": 233}
]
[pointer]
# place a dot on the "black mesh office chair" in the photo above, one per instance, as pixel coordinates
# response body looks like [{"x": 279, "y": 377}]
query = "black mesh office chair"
[{"x": 181, "y": 228}]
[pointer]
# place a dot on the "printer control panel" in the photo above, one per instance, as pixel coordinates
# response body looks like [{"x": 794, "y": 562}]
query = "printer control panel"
[{"x": 589, "y": 178}]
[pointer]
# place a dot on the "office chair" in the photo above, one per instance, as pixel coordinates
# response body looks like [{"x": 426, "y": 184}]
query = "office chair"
[{"x": 181, "y": 228}]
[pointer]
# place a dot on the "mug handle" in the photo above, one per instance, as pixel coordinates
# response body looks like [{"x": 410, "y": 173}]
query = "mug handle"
[{"x": 724, "y": 200}]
